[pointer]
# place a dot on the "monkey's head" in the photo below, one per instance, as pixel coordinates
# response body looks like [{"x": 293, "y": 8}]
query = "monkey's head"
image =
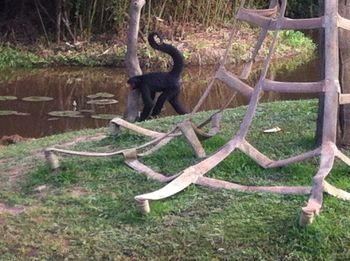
[{"x": 134, "y": 82}]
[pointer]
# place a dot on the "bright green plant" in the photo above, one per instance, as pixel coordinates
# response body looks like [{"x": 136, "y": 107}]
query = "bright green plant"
[
  {"x": 296, "y": 39},
  {"x": 10, "y": 57}
]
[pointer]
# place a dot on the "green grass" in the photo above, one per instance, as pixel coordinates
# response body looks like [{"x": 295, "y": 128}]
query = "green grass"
[{"x": 197, "y": 224}]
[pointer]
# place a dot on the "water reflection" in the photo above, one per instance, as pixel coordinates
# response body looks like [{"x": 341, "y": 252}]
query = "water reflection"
[{"x": 70, "y": 87}]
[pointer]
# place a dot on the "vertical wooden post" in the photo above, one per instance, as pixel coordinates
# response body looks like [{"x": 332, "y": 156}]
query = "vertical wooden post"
[
  {"x": 331, "y": 72},
  {"x": 321, "y": 53},
  {"x": 132, "y": 61},
  {"x": 343, "y": 137},
  {"x": 330, "y": 116}
]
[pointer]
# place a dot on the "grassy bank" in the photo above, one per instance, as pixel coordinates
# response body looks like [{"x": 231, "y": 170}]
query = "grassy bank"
[
  {"x": 87, "y": 211},
  {"x": 198, "y": 49}
]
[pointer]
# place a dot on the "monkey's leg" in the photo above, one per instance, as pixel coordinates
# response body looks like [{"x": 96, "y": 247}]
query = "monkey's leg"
[
  {"x": 177, "y": 105},
  {"x": 147, "y": 102},
  {"x": 153, "y": 95},
  {"x": 160, "y": 102}
]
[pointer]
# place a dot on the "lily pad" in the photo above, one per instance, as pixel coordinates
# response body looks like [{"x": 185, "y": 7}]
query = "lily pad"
[
  {"x": 100, "y": 95},
  {"x": 8, "y": 98},
  {"x": 53, "y": 119},
  {"x": 104, "y": 116},
  {"x": 37, "y": 99},
  {"x": 22, "y": 113},
  {"x": 102, "y": 102},
  {"x": 7, "y": 113},
  {"x": 70, "y": 114}
]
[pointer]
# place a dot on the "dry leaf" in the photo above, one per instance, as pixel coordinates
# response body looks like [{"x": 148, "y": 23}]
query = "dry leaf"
[{"x": 272, "y": 130}]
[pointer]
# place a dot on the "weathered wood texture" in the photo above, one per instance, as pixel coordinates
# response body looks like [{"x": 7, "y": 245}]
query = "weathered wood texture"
[
  {"x": 344, "y": 48},
  {"x": 132, "y": 61}
]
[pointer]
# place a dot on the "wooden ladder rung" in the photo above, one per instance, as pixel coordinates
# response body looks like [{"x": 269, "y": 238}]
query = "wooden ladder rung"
[
  {"x": 344, "y": 98},
  {"x": 253, "y": 16},
  {"x": 234, "y": 82},
  {"x": 293, "y": 87},
  {"x": 262, "y": 12}
]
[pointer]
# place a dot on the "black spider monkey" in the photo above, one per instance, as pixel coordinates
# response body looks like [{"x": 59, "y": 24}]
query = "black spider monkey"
[{"x": 168, "y": 83}]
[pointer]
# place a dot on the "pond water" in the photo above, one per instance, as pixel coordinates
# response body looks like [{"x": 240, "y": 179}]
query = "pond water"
[{"x": 69, "y": 89}]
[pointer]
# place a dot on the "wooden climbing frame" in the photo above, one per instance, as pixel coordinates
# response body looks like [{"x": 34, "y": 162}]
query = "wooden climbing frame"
[{"x": 271, "y": 19}]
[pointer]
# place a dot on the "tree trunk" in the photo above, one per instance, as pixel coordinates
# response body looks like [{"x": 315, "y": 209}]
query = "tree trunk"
[
  {"x": 132, "y": 61},
  {"x": 58, "y": 20},
  {"x": 343, "y": 137}
]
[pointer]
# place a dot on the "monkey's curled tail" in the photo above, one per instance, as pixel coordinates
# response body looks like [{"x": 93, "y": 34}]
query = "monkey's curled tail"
[{"x": 178, "y": 60}]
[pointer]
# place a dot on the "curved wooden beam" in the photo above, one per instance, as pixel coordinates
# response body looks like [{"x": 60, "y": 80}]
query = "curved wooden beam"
[
  {"x": 189, "y": 175},
  {"x": 300, "y": 24},
  {"x": 192, "y": 139},
  {"x": 295, "y": 159},
  {"x": 343, "y": 22},
  {"x": 215, "y": 120},
  {"x": 340, "y": 155},
  {"x": 293, "y": 87},
  {"x": 234, "y": 82},
  {"x": 118, "y": 122},
  {"x": 254, "y": 18},
  {"x": 344, "y": 98},
  {"x": 142, "y": 168},
  {"x": 175, "y": 186},
  {"x": 336, "y": 192},
  {"x": 254, "y": 154},
  {"x": 221, "y": 184},
  {"x": 286, "y": 23}
]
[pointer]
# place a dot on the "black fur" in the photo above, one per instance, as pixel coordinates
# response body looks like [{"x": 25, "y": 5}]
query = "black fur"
[{"x": 168, "y": 83}]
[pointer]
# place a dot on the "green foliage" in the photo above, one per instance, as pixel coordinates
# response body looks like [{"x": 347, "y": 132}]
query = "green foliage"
[
  {"x": 11, "y": 57},
  {"x": 297, "y": 39}
]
